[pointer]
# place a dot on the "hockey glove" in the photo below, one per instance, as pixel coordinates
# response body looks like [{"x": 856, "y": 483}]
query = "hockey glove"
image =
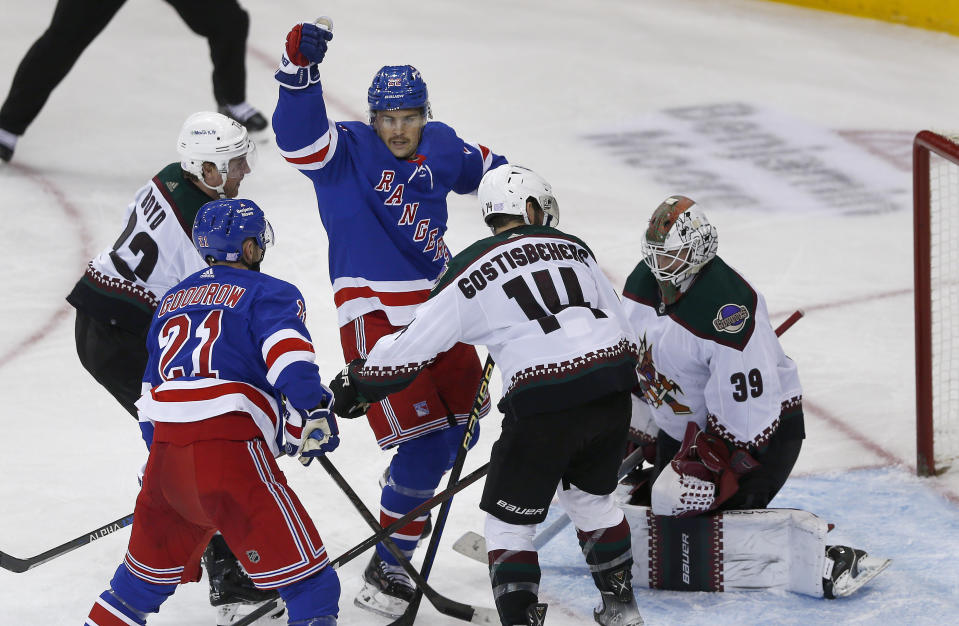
[
  {"x": 347, "y": 402},
  {"x": 305, "y": 47},
  {"x": 306, "y": 43},
  {"x": 311, "y": 433},
  {"x": 703, "y": 474}
]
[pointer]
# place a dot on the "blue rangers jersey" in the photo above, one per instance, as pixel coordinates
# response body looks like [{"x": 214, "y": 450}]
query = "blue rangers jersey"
[
  {"x": 385, "y": 217},
  {"x": 231, "y": 340}
]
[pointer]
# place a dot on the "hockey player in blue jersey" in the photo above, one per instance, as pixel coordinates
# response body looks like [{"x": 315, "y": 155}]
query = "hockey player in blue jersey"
[
  {"x": 228, "y": 352},
  {"x": 381, "y": 188}
]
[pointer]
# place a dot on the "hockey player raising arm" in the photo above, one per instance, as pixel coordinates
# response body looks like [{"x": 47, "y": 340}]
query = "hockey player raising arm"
[
  {"x": 727, "y": 404},
  {"x": 538, "y": 300},
  {"x": 226, "y": 345},
  {"x": 381, "y": 187}
]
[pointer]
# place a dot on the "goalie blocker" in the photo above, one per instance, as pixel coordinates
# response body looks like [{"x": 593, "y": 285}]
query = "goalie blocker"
[{"x": 745, "y": 550}]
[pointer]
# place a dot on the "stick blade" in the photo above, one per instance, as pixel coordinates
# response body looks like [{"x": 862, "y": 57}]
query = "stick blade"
[
  {"x": 472, "y": 545},
  {"x": 13, "y": 564},
  {"x": 482, "y": 615}
]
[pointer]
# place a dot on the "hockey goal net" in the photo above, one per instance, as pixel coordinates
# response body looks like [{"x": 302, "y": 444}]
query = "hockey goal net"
[{"x": 936, "y": 250}]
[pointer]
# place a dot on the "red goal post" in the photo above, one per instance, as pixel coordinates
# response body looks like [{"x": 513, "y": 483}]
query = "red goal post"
[{"x": 936, "y": 276}]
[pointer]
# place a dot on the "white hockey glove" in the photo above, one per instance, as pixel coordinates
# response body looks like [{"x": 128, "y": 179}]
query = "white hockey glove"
[
  {"x": 311, "y": 432},
  {"x": 306, "y": 46},
  {"x": 703, "y": 474}
]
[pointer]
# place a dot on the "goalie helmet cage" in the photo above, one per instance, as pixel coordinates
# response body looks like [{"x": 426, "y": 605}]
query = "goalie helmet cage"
[{"x": 936, "y": 275}]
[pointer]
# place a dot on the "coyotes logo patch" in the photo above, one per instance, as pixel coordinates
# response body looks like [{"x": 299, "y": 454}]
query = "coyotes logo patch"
[{"x": 657, "y": 389}]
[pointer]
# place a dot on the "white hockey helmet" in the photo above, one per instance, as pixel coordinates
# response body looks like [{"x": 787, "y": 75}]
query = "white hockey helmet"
[
  {"x": 218, "y": 139},
  {"x": 505, "y": 190},
  {"x": 678, "y": 243}
]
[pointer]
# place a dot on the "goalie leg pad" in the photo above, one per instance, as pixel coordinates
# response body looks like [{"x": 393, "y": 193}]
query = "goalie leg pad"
[{"x": 743, "y": 550}]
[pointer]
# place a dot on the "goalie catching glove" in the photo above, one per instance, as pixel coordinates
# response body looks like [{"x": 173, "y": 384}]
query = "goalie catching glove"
[
  {"x": 311, "y": 432},
  {"x": 703, "y": 474}
]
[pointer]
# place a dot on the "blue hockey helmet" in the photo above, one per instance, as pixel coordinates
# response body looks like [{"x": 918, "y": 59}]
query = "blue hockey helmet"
[
  {"x": 398, "y": 87},
  {"x": 222, "y": 226}
]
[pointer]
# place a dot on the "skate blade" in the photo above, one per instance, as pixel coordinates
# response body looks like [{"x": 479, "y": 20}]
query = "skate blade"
[
  {"x": 372, "y": 599},
  {"x": 869, "y": 568}
]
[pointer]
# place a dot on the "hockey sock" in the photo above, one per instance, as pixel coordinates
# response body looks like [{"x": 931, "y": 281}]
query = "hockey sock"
[
  {"x": 608, "y": 550},
  {"x": 515, "y": 578},
  {"x": 415, "y": 471},
  {"x": 128, "y": 601},
  {"x": 109, "y": 610},
  {"x": 313, "y": 597}
]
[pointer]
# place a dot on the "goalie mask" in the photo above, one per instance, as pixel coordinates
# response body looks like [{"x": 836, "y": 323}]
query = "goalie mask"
[
  {"x": 506, "y": 189},
  {"x": 217, "y": 139},
  {"x": 678, "y": 243}
]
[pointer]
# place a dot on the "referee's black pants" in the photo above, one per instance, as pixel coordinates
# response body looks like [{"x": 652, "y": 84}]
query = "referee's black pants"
[{"x": 76, "y": 23}]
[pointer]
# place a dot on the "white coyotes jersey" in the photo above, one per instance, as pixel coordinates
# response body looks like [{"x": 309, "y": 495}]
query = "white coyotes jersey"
[
  {"x": 712, "y": 357},
  {"x": 536, "y": 298},
  {"x": 154, "y": 252}
]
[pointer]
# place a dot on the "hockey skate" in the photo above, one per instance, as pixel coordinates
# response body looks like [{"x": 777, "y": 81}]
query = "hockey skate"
[
  {"x": 246, "y": 115},
  {"x": 536, "y": 614},
  {"x": 8, "y": 141},
  {"x": 619, "y": 604},
  {"x": 228, "y": 614},
  {"x": 387, "y": 589},
  {"x": 232, "y": 592},
  {"x": 850, "y": 570}
]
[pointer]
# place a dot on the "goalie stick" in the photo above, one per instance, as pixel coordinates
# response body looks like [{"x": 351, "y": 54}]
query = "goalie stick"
[
  {"x": 19, "y": 566},
  {"x": 473, "y": 545}
]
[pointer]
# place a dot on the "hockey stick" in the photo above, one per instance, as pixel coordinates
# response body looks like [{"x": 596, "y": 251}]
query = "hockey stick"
[
  {"x": 473, "y": 545},
  {"x": 446, "y": 606},
  {"x": 481, "y": 394},
  {"x": 264, "y": 609},
  {"x": 384, "y": 533},
  {"x": 14, "y": 564},
  {"x": 433, "y": 502},
  {"x": 787, "y": 324}
]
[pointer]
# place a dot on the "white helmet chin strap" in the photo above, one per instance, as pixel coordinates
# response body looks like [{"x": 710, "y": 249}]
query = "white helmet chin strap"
[{"x": 219, "y": 189}]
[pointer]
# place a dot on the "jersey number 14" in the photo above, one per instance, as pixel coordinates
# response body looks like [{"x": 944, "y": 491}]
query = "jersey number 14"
[{"x": 519, "y": 290}]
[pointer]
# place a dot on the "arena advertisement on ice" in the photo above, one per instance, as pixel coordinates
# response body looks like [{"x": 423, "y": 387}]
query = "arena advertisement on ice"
[{"x": 736, "y": 155}]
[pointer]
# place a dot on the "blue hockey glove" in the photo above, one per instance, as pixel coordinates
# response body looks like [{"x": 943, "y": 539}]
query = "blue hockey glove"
[
  {"x": 347, "y": 402},
  {"x": 311, "y": 433},
  {"x": 306, "y": 43},
  {"x": 305, "y": 47},
  {"x": 320, "y": 435}
]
